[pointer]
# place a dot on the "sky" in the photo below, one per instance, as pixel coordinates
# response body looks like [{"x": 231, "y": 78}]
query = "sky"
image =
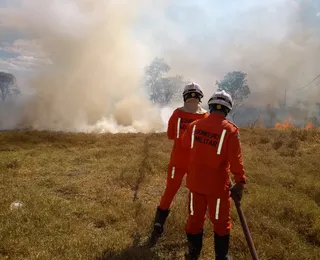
[{"x": 167, "y": 27}]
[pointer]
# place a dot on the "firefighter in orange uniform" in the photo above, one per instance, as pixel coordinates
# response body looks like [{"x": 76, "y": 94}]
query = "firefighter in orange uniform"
[
  {"x": 215, "y": 150},
  {"x": 178, "y": 166}
]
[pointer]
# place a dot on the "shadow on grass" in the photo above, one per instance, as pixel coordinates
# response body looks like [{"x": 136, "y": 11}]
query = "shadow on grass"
[
  {"x": 131, "y": 253},
  {"x": 135, "y": 252},
  {"x": 138, "y": 250}
]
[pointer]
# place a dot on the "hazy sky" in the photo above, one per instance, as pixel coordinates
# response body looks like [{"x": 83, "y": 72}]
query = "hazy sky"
[{"x": 201, "y": 40}]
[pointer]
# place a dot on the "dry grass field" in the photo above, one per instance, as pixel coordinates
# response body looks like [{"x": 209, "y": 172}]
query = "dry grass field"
[{"x": 88, "y": 196}]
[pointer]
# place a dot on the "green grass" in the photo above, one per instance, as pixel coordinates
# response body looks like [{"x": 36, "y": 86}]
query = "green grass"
[{"x": 88, "y": 196}]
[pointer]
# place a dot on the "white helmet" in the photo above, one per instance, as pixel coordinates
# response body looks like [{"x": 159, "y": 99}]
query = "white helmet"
[
  {"x": 192, "y": 90},
  {"x": 221, "y": 98}
]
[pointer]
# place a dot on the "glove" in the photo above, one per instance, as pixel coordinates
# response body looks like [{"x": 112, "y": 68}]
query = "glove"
[{"x": 237, "y": 191}]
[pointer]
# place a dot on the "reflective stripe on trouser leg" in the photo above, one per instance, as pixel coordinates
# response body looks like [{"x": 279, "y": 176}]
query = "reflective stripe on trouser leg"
[
  {"x": 197, "y": 206},
  {"x": 173, "y": 183},
  {"x": 191, "y": 204},
  {"x": 172, "y": 172},
  {"x": 219, "y": 212},
  {"x": 217, "y": 209}
]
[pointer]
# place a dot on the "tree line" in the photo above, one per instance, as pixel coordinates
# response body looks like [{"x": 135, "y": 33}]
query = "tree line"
[
  {"x": 164, "y": 89},
  {"x": 8, "y": 86}
]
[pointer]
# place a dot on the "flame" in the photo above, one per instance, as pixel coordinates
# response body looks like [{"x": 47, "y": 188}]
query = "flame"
[
  {"x": 286, "y": 124},
  {"x": 309, "y": 126}
]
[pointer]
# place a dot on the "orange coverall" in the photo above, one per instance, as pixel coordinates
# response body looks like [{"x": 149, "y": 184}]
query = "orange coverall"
[
  {"x": 215, "y": 149},
  {"x": 178, "y": 165}
]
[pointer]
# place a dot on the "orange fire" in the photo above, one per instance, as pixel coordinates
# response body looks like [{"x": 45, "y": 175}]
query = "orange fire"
[
  {"x": 285, "y": 125},
  {"x": 309, "y": 126}
]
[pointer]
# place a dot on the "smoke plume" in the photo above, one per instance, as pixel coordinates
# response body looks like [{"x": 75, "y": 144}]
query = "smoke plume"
[
  {"x": 95, "y": 80},
  {"x": 275, "y": 42}
]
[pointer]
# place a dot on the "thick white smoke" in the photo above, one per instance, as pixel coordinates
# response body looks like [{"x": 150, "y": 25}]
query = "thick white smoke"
[{"x": 94, "y": 81}]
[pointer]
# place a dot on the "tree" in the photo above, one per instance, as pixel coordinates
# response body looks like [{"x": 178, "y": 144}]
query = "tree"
[
  {"x": 8, "y": 85},
  {"x": 235, "y": 83},
  {"x": 177, "y": 84},
  {"x": 162, "y": 90}
]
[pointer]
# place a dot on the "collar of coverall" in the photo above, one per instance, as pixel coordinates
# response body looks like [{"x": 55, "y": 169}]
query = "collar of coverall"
[{"x": 217, "y": 114}]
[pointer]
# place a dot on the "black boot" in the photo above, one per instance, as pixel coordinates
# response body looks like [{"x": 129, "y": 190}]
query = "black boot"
[
  {"x": 159, "y": 221},
  {"x": 221, "y": 246},
  {"x": 194, "y": 246}
]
